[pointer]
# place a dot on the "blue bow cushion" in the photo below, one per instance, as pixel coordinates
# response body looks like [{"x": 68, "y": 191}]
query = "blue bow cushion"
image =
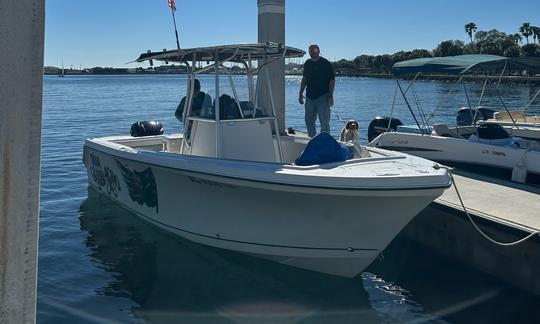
[{"x": 322, "y": 149}]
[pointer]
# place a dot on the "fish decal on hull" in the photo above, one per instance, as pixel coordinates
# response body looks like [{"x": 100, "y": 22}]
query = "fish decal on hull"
[{"x": 141, "y": 186}]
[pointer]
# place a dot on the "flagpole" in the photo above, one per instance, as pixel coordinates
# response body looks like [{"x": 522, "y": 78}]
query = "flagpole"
[{"x": 175, "y": 30}]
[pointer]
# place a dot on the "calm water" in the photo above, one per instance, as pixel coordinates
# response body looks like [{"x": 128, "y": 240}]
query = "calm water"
[{"x": 98, "y": 263}]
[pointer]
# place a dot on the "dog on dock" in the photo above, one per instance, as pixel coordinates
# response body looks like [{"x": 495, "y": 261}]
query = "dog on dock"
[{"x": 349, "y": 133}]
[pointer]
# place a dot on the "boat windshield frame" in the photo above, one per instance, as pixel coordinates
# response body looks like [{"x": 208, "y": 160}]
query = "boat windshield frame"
[{"x": 215, "y": 58}]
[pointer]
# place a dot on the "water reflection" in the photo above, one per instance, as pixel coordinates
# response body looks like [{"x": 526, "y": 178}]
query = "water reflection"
[
  {"x": 170, "y": 278},
  {"x": 446, "y": 289}
]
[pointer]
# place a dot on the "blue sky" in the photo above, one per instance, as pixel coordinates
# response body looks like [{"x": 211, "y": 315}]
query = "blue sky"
[{"x": 113, "y": 32}]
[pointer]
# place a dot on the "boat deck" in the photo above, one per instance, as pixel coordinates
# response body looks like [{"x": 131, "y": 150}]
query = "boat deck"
[{"x": 504, "y": 202}]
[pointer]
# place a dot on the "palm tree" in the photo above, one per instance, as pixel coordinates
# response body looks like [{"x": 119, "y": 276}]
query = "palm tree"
[
  {"x": 526, "y": 31},
  {"x": 536, "y": 33},
  {"x": 470, "y": 28},
  {"x": 517, "y": 38}
]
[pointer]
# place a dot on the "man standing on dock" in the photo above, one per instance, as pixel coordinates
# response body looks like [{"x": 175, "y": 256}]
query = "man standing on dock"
[{"x": 320, "y": 80}]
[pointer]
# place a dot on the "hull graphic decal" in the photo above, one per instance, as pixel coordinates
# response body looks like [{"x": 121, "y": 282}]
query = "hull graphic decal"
[{"x": 141, "y": 186}]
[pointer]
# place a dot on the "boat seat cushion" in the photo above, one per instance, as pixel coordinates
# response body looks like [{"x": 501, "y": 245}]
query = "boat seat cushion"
[
  {"x": 444, "y": 131},
  {"x": 322, "y": 149},
  {"x": 248, "y": 108}
]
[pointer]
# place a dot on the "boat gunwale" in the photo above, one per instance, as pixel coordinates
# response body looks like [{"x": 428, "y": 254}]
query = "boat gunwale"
[
  {"x": 125, "y": 152},
  {"x": 450, "y": 139}
]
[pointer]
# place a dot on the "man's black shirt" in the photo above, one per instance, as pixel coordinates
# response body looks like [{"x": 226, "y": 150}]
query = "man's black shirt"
[{"x": 318, "y": 75}]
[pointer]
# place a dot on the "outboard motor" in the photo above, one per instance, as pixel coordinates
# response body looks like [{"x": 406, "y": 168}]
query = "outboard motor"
[
  {"x": 464, "y": 117},
  {"x": 146, "y": 128},
  {"x": 379, "y": 125}
]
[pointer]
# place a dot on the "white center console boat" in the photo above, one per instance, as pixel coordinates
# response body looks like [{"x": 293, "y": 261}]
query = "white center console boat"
[{"x": 230, "y": 180}]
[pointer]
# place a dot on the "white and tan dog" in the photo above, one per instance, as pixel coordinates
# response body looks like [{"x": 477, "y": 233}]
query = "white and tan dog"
[{"x": 349, "y": 133}]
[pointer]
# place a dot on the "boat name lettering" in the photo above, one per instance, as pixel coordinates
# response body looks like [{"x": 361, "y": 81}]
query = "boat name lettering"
[
  {"x": 401, "y": 142},
  {"x": 211, "y": 183},
  {"x": 493, "y": 153},
  {"x": 104, "y": 177}
]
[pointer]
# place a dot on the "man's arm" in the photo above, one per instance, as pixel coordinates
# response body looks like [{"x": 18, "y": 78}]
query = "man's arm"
[
  {"x": 331, "y": 85},
  {"x": 180, "y": 110},
  {"x": 302, "y": 88}
]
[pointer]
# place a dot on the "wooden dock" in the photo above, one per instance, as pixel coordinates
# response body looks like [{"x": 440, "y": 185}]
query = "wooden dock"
[
  {"x": 500, "y": 201},
  {"x": 506, "y": 211}
]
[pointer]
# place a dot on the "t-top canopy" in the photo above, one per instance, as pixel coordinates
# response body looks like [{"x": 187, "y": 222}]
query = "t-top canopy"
[
  {"x": 465, "y": 63},
  {"x": 230, "y": 53}
]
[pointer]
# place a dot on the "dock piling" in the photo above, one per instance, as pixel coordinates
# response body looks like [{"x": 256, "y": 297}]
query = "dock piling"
[
  {"x": 271, "y": 21},
  {"x": 21, "y": 84}
]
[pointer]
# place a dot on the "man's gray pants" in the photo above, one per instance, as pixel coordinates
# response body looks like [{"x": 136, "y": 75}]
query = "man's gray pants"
[{"x": 317, "y": 107}]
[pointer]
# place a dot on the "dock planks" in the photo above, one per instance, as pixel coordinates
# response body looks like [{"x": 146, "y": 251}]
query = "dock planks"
[{"x": 500, "y": 201}]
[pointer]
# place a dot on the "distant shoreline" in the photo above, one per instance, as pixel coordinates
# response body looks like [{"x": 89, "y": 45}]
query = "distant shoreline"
[{"x": 508, "y": 79}]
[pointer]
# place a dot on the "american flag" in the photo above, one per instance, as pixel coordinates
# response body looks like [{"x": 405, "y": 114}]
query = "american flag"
[{"x": 172, "y": 4}]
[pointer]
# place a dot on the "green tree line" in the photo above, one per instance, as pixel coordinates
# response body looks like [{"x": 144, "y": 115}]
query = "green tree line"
[{"x": 525, "y": 42}]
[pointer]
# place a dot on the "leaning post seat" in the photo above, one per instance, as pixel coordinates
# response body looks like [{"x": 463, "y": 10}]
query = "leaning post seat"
[
  {"x": 492, "y": 132},
  {"x": 248, "y": 108},
  {"x": 229, "y": 109}
]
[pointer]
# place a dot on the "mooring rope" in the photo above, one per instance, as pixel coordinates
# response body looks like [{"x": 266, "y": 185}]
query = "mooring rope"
[
  {"x": 337, "y": 116},
  {"x": 474, "y": 223}
]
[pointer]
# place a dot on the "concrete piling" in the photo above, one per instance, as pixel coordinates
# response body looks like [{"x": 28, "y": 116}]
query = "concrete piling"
[
  {"x": 272, "y": 29},
  {"x": 21, "y": 84}
]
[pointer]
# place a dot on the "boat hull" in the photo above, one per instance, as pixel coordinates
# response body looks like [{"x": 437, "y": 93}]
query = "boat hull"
[
  {"x": 495, "y": 160},
  {"x": 334, "y": 231}
]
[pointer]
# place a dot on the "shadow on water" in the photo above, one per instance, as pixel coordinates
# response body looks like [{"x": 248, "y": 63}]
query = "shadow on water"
[
  {"x": 172, "y": 280},
  {"x": 450, "y": 290}
]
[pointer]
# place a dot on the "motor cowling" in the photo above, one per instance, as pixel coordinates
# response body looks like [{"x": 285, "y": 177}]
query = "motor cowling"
[
  {"x": 380, "y": 124},
  {"x": 146, "y": 128}
]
